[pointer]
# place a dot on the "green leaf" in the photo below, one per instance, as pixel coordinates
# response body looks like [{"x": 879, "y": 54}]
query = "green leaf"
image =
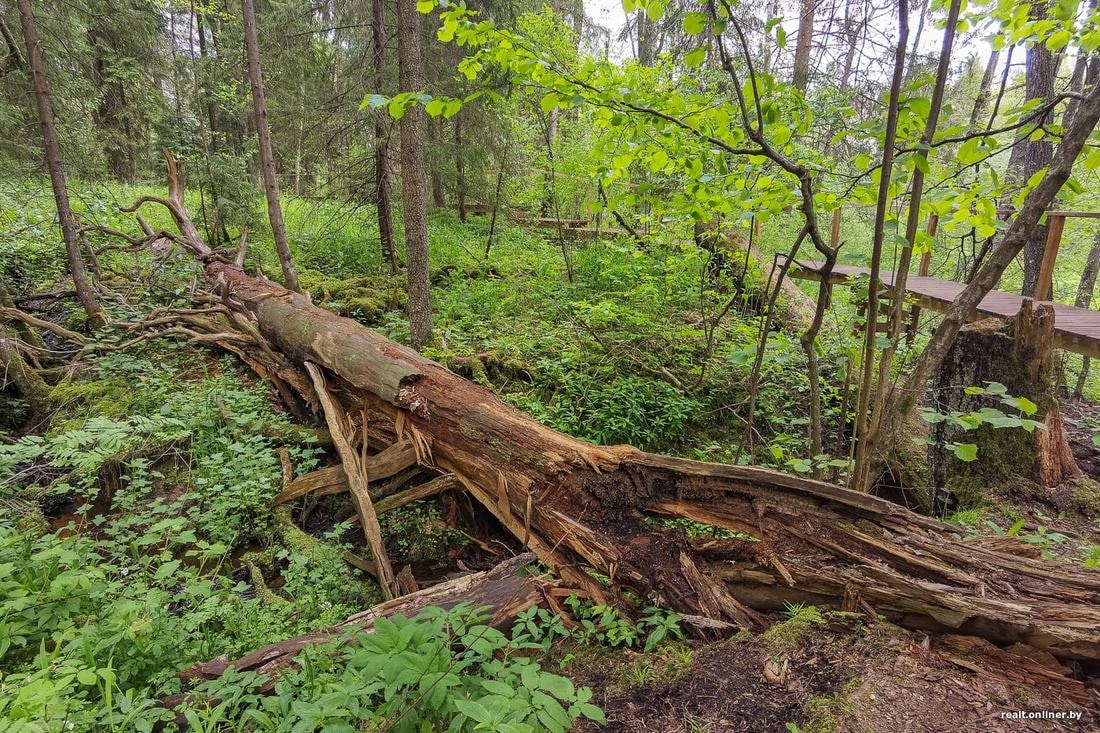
[
  {"x": 434, "y": 108},
  {"x": 374, "y": 101},
  {"x": 695, "y": 23},
  {"x": 558, "y": 686},
  {"x": 87, "y": 677},
  {"x": 549, "y": 102},
  {"x": 474, "y": 710},
  {"x": 396, "y": 108},
  {"x": 425, "y": 6},
  {"x": 966, "y": 452},
  {"x": 1023, "y": 404},
  {"x": 452, "y": 108},
  {"x": 591, "y": 712},
  {"x": 695, "y": 59},
  {"x": 1036, "y": 177},
  {"x": 921, "y": 163}
]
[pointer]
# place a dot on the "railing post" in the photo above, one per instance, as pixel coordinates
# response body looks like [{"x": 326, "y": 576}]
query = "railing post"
[
  {"x": 834, "y": 231},
  {"x": 1044, "y": 288},
  {"x": 925, "y": 265}
]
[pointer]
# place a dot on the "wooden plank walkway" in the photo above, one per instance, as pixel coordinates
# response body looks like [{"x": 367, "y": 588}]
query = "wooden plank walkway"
[{"x": 1075, "y": 329}]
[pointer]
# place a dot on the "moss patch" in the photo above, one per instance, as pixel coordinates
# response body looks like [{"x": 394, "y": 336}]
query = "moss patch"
[{"x": 366, "y": 299}]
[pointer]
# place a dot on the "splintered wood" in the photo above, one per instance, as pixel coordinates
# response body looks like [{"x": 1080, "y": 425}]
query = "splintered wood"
[{"x": 355, "y": 469}]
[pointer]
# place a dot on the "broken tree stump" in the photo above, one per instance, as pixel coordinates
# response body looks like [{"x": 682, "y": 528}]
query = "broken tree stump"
[{"x": 1017, "y": 354}]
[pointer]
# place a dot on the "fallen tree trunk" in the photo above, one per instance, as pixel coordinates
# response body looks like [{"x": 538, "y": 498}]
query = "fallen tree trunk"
[
  {"x": 586, "y": 509},
  {"x": 501, "y": 589},
  {"x": 580, "y": 506}
]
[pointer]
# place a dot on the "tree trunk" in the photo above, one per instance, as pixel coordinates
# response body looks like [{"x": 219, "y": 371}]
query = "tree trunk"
[
  {"x": 1031, "y": 156},
  {"x": 97, "y": 317},
  {"x": 460, "y": 170},
  {"x": 414, "y": 176},
  {"x": 1084, "y": 300},
  {"x": 982, "y": 100},
  {"x": 381, "y": 141},
  {"x": 580, "y": 506},
  {"x": 267, "y": 157},
  {"x": 109, "y": 113},
  {"x": 803, "y": 44},
  {"x": 27, "y": 382}
]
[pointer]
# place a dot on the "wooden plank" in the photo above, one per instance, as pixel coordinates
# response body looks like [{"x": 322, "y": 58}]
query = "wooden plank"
[
  {"x": 1075, "y": 329},
  {"x": 1044, "y": 288}
]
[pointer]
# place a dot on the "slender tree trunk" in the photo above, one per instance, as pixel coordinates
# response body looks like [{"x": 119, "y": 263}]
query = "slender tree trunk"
[
  {"x": 913, "y": 65},
  {"x": 913, "y": 220},
  {"x": 381, "y": 141},
  {"x": 267, "y": 157},
  {"x": 982, "y": 100},
  {"x": 414, "y": 176},
  {"x": 803, "y": 44},
  {"x": 97, "y": 317},
  {"x": 1031, "y": 156},
  {"x": 14, "y": 58},
  {"x": 460, "y": 170},
  {"x": 862, "y": 426},
  {"x": 1084, "y": 300}
]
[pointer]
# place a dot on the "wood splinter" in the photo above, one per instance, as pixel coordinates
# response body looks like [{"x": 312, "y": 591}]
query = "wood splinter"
[{"x": 356, "y": 471}]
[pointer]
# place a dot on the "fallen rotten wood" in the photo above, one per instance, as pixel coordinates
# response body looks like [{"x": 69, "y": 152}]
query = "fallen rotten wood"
[
  {"x": 583, "y": 508},
  {"x": 332, "y": 479},
  {"x": 501, "y": 589}
]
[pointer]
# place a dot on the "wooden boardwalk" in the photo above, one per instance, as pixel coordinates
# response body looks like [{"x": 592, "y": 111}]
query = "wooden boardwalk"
[{"x": 1075, "y": 329}]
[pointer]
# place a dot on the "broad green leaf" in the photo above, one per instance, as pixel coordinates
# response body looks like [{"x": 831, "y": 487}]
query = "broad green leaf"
[
  {"x": 695, "y": 59},
  {"x": 695, "y": 23},
  {"x": 966, "y": 452}
]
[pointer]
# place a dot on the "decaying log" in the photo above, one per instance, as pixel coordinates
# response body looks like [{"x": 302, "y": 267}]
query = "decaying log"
[
  {"x": 501, "y": 589},
  {"x": 332, "y": 479},
  {"x": 580, "y": 507},
  {"x": 583, "y": 508}
]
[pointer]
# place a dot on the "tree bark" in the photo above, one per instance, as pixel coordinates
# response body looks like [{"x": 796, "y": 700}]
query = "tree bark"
[
  {"x": 414, "y": 176},
  {"x": 381, "y": 141},
  {"x": 1085, "y": 289},
  {"x": 804, "y": 44},
  {"x": 1018, "y": 355},
  {"x": 267, "y": 157},
  {"x": 982, "y": 100},
  {"x": 97, "y": 317},
  {"x": 1031, "y": 156}
]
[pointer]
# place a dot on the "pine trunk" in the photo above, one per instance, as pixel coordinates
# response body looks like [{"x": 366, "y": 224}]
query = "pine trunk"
[
  {"x": 267, "y": 157},
  {"x": 381, "y": 142},
  {"x": 84, "y": 292},
  {"x": 414, "y": 175}
]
